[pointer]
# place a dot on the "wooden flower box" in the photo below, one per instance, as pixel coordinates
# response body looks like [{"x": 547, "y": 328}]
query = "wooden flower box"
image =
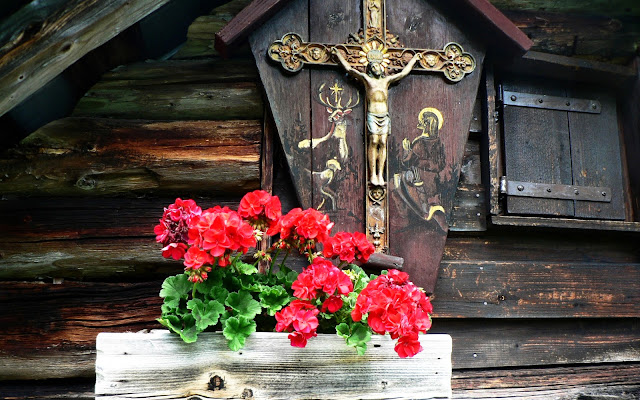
[{"x": 157, "y": 364}]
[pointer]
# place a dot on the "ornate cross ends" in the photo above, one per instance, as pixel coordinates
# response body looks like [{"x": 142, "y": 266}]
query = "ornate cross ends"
[{"x": 377, "y": 67}]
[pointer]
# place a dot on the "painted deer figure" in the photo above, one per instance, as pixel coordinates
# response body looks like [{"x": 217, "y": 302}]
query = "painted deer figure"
[{"x": 337, "y": 113}]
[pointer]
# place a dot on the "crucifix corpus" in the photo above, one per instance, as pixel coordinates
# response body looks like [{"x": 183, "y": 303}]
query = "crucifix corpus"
[{"x": 376, "y": 58}]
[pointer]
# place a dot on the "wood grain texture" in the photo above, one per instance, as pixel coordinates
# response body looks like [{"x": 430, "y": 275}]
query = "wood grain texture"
[
  {"x": 246, "y": 22},
  {"x": 537, "y": 148},
  {"x": 64, "y": 328},
  {"x": 601, "y": 381},
  {"x": 202, "y": 31},
  {"x": 543, "y": 290},
  {"x": 631, "y": 131},
  {"x": 616, "y": 381},
  {"x": 511, "y": 344},
  {"x": 586, "y": 7},
  {"x": 343, "y": 194},
  {"x": 85, "y": 156},
  {"x": 34, "y": 59},
  {"x": 58, "y": 341},
  {"x": 290, "y": 102},
  {"x": 159, "y": 365},
  {"x": 573, "y": 69},
  {"x": 594, "y": 37},
  {"x": 596, "y": 155},
  {"x": 181, "y": 101},
  {"x": 412, "y": 237}
]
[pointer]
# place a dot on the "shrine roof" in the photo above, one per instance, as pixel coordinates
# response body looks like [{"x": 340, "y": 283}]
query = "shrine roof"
[{"x": 495, "y": 26}]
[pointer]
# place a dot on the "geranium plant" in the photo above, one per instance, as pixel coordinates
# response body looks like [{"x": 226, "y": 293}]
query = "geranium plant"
[{"x": 220, "y": 290}]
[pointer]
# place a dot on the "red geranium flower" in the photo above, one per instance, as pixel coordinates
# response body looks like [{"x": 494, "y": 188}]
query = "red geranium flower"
[
  {"x": 408, "y": 346},
  {"x": 221, "y": 231},
  {"x": 174, "y": 226},
  {"x": 396, "y": 306},
  {"x": 261, "y": 210},
  {"x": 348, "y": 247},
  {"x": 302, "y": 230},
  {"x": 321, "y": 277}
]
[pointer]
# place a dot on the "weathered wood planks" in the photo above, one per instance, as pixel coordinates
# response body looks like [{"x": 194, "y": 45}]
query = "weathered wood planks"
[
  {"x": 31, "y": 60},
  {"x": 601, "y": 381},
  {"x": 536, "y": 289},
  {"x": 617, "y": 381},
  {"x": 597, "y": 35},
  {"x": 159, "y": 365},
  {"x": 89, "y": 156},
  {"x": 58, "y": 340}
]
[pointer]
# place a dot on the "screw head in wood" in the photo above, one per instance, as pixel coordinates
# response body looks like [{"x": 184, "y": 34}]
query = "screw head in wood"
[
  {"x": 513, "y": 97},
  {"x": 520, "y": 188}
]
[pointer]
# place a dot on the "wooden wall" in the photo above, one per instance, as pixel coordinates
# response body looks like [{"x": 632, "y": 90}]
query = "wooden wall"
[{"x": 533, "y": 313}]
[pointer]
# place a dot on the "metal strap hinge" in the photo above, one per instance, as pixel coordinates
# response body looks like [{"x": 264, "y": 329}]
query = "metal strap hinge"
[
  {"x": 551, "y": 102},
  {"x": 554, "y": 191}
]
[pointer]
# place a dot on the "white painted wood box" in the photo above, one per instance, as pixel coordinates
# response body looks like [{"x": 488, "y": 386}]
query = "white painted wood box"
[{"x": 158, "y": 365}]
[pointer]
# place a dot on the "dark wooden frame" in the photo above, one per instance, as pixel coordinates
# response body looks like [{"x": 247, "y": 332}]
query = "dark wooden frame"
[{"x": 538, "y": 64}]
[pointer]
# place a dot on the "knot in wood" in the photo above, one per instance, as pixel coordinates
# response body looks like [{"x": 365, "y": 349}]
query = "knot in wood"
[{"x": 216, "y": 383}]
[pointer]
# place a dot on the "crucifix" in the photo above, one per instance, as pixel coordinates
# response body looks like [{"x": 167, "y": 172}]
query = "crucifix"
[{"x": 376, "y": 58}]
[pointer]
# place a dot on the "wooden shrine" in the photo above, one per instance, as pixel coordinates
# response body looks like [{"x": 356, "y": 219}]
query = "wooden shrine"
[{"x": 372, "y": 101}]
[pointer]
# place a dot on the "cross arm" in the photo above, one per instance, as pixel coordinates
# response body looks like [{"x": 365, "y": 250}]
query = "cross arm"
[{"x": 293, "y": 53}]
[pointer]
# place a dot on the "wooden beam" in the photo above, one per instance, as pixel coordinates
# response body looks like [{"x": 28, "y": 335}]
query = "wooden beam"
[
  {"x": 572, "y": 69},
  {"x": 85, "y": 156},
  {"x": 599, "y": 38},
  {"x": 482, "y": 11},
  {"x": 613, "y": 8},
  {"x": 245, "y": 22},
  {"x": 84, "y": 25},
  {"x": 595, "y": 382},
  {"x": 58, "y": 341},
  {"x": 525, "y": 289}
]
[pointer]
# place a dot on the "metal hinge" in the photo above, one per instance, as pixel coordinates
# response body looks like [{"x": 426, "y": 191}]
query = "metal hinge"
[
  {"x": 550, "y": 102},
  {"x": 554, "y": 191}
]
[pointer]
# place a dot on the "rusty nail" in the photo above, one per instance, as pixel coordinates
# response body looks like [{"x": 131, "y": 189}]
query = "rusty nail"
[{"x": 513, "y": 97}]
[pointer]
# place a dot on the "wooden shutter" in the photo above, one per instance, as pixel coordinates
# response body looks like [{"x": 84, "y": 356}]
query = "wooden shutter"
[{"x": 565, "y": 138}]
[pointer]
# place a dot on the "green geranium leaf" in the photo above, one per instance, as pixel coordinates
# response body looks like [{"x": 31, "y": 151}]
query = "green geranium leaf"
[
  {"x": 185, "y": 327},
  {"x": 208, "y": 285},
  {"x": 237, "y": 330},
  {"x": 219, "y": 294},
  {"x": 246, "y": 269},
  {"x": 343, "y": 330},
  {"x": 205, "y": 314},
  {"x": 286, "y": 276},
  {"x": 274, "y": 298},
  {"x": 174, "y": 289},
  {"x": 243, "y": 304},
  {"x": 171, "y": 322},
  {"x": 359, "y": 334},
  {"x": 189, "y": 333}
]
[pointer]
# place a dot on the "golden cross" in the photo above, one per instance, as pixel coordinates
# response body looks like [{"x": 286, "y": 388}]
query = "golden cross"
[{"x": 376, "y": 58}]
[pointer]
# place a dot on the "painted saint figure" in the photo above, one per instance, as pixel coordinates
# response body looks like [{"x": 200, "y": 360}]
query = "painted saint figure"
[{"x": 378, "y": 123}]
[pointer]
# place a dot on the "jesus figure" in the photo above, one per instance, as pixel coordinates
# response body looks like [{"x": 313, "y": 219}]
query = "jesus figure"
[{"x": 376, "y": 85}]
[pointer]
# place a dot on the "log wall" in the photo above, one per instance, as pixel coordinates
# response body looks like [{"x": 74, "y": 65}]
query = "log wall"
[{"x": 534, "y": 313}]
